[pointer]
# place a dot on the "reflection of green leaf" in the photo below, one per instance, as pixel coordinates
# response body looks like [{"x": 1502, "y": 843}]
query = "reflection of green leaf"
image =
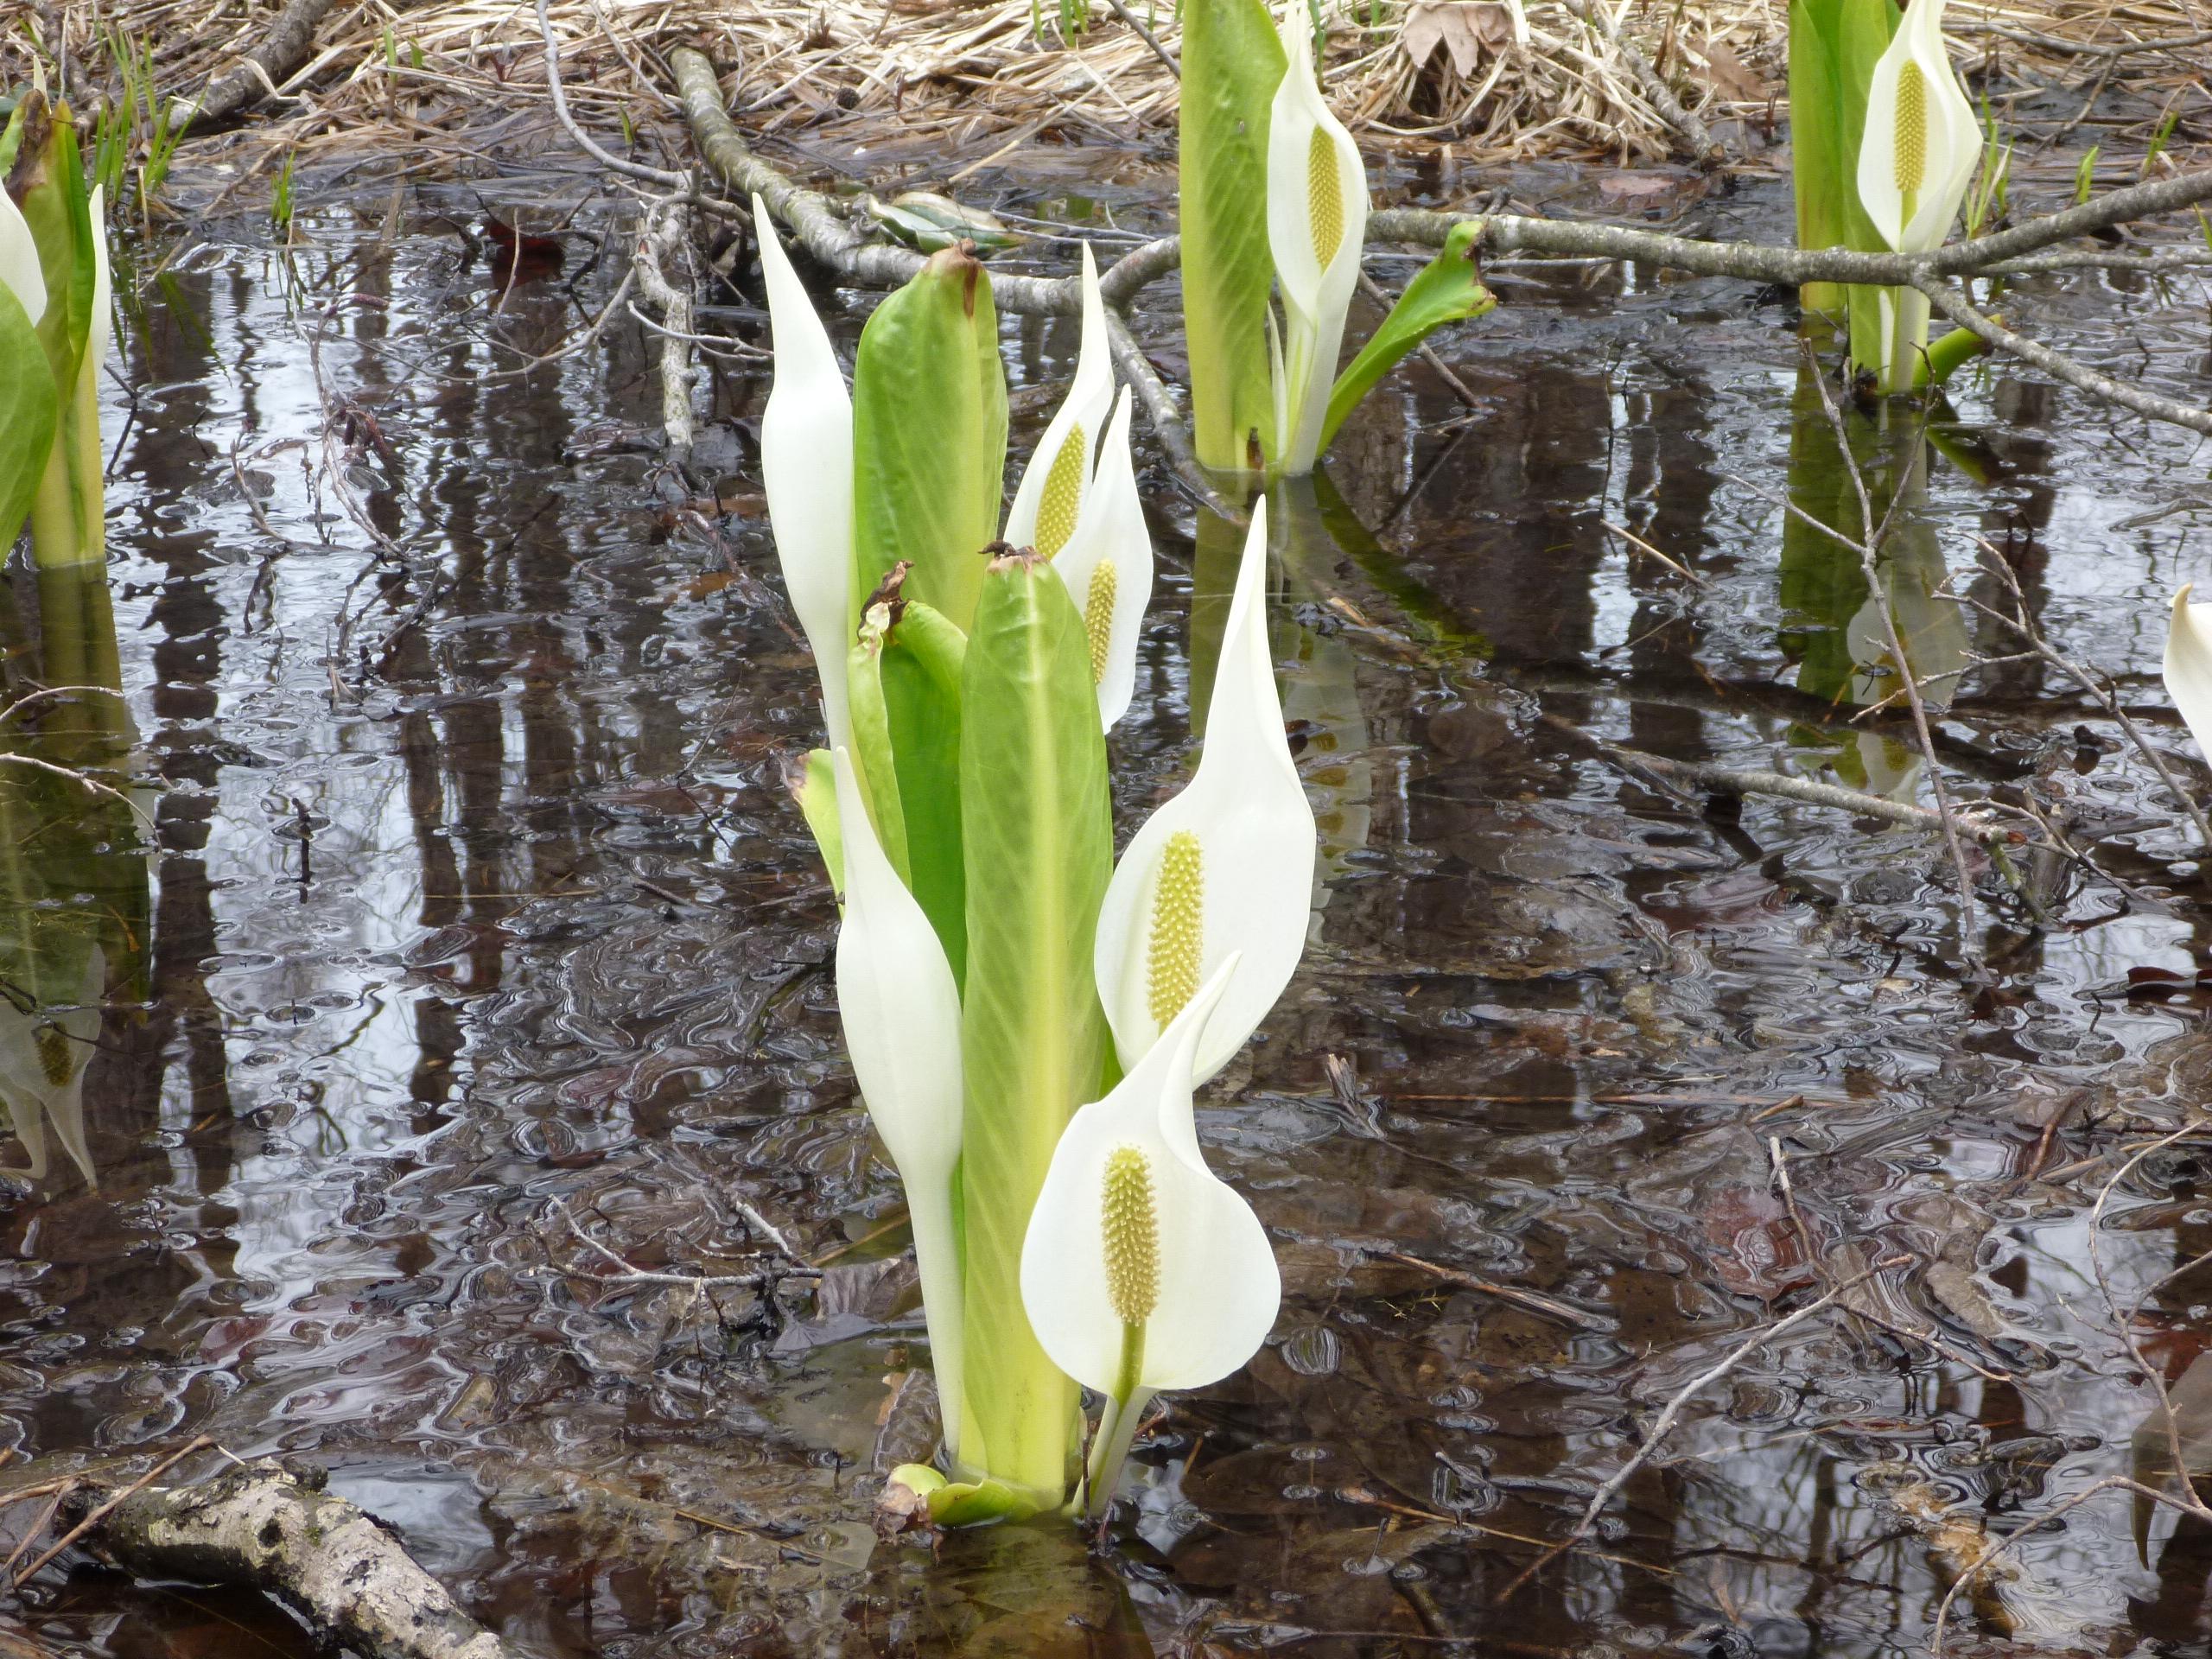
[
  {"x": 1439, "y": 626},
  {"x": 1448, "y": 289}
]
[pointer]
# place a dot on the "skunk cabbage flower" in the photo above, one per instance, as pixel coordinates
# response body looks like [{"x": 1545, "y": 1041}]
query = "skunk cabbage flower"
[
  {"x": 1922, "y": 143},
  {"x": 2189, "y": 666},
  {"x": 101, "y": 330},
  {"x": 1224, "y": 869},
  {"x": 43, "y": 1054},
  {"x": 1921, "y": 148},
  {"x": 806, "y": 466},
  {"x": 1317, "y": 225},
  {"x": 1108, "y": 569},
  {"x": 1056, "y": 487},
  {"x": 20, "y": 273},
  {"x": 901, "y": 1016},
  {"x": 1141, "y": 1270}
]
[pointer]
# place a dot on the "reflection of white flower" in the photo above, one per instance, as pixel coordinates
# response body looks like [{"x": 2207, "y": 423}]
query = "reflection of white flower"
[{"x": 43, "y": 1054}]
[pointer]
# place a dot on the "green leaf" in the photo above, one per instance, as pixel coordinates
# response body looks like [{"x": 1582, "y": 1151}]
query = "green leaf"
[
  {"x": 28, "y": 412},
  {"x": 874, "y": 767},
  {"x": 923, "y": 657},
  {"x": 47, "y": 181},
  {"x": 1833, "y": 45},
  {"x": 1038, "y": 832},
  {"x": 1232, "y": 63},
  {"x": 1947, "y": 355},
  {"x": 815, "y": 789},
  {"x": 929, "y": 437},
  {"x": 1449, "y": 288}
]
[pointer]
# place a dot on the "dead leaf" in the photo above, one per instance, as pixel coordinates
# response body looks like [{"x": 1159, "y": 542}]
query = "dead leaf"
[
  {"x": 1730, "y": 77},
  {"x": 1468, "y": 28}
]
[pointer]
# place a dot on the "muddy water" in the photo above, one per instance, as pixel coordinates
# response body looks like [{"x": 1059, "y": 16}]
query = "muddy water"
[{"x": 475, "y": 919}]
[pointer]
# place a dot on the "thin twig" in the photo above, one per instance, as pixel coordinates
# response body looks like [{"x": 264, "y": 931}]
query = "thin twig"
[
  {"x": 199, "y": 1443},
  {"x": 1121, "y": 11},
  {"x": 1869, "y": 550},
  {"x": 2022, "y": 623},
  {"x": 1527, "y": 1299}
]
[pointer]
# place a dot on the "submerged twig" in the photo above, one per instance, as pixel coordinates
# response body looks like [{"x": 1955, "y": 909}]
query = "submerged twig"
[{"x": 1664, "y": 1422}]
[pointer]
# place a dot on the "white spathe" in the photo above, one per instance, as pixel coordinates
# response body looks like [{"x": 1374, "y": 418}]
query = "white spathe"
[
  {"x": 2188, "y": 665},
  {"x": 1065, "y": 464},
  {"x": 1215, "y": 1285},
  {"x": 20, "y": 271},
  {"x": 1108, "y": 568},
  {"x": 102, "y": 327},
  {"x": 1921, "y": 148},
  {"x": 806, "y": 469},
  {"x": 1236, "y": 850},
  {"x": 33, "y": 1096},
  {"x": 1317, "y": 227},
  {"x": 901, "y": 1011}
]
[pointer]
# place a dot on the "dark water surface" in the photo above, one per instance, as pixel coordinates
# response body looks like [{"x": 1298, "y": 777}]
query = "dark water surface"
[{"x": 478, "y": 906}]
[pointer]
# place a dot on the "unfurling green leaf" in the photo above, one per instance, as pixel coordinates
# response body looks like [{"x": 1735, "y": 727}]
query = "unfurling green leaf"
[
  {"x": 1448, "y": 289},
  {"x": 1038, "y": 838},
  {"x": 923, "y": 655},
  {"x": 1232, "y": 63},
  {"x": 877, "y": 773},
  {"x": 815, "y": 788},
  {"x": 929, "y": 437}
]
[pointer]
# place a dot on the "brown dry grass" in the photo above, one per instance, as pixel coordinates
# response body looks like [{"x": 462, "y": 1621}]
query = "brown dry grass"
[{"x": 462, "y": 85}]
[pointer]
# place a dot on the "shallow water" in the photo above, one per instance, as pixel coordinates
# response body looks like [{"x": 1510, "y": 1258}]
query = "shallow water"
[{"x": 478, "y": 916}]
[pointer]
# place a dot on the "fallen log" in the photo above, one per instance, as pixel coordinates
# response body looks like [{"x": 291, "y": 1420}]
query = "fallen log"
[
  {"x": 268, "y": 1525},
  {"x": 275, "y": 56}
]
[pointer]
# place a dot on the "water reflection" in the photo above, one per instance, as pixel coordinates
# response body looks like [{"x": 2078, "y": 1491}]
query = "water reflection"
[
  {"x": 75, "y": 890},
  {"x": 1870, "y": 481}
]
